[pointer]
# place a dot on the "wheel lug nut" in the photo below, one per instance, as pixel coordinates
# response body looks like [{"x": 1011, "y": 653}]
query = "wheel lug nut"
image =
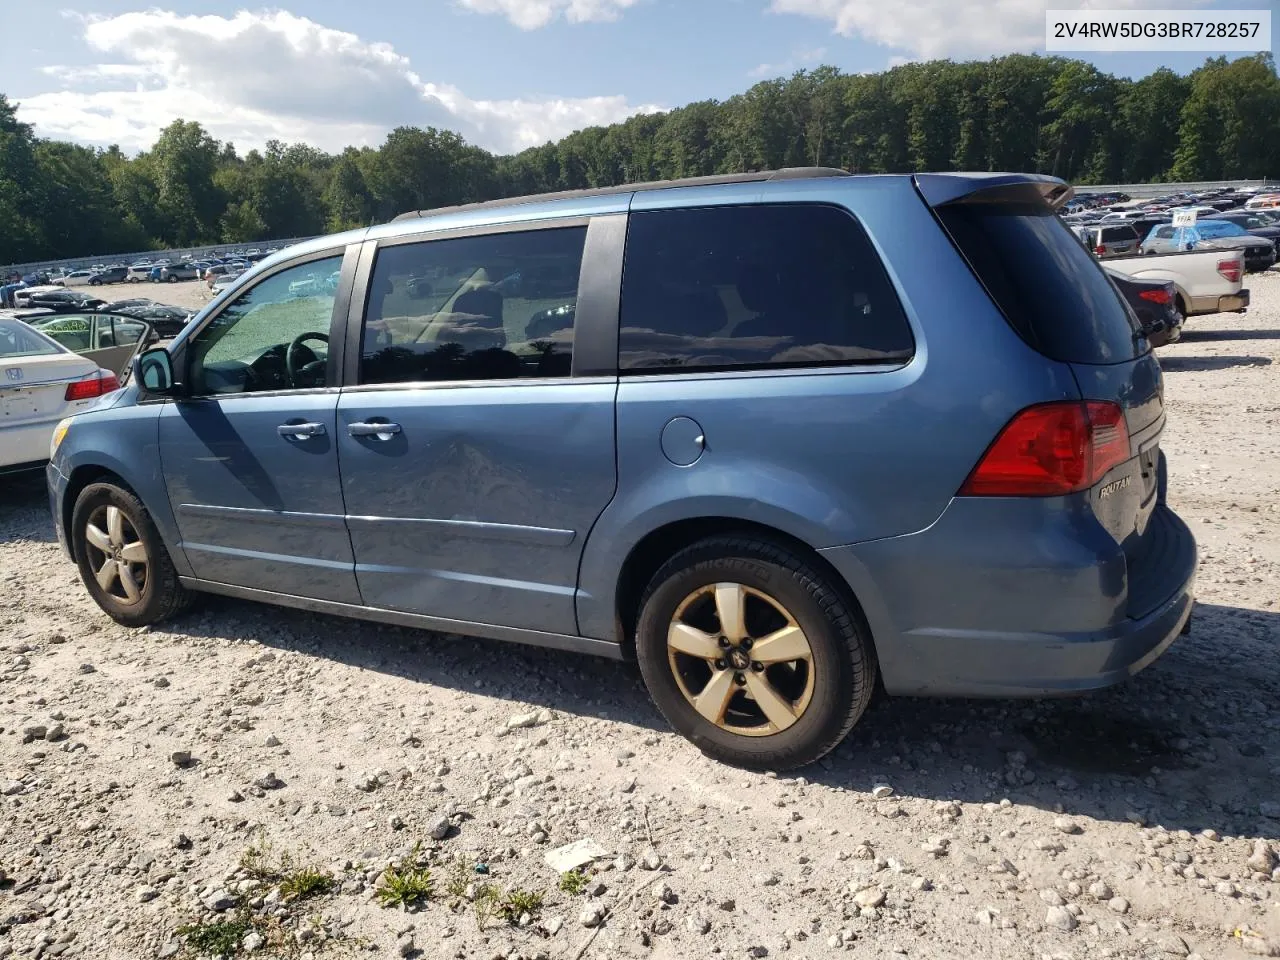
[
  {"x": 739, "y": 679},
  {"x": 746, "y": 644},
  {"x": 720, "y": 664},
  {"x": 757, "y": 666},
  {"x": 723, "y": 641}
]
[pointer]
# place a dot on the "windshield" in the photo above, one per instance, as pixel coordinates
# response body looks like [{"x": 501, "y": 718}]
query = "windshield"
[
  {"x": 1220, "y": 228},
  {"x": 19, "y": 340}
]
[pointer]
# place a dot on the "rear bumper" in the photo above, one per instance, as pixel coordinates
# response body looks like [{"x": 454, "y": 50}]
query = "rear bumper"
[
  {"x": 1232, "y": 303},
  {"x": 977, "y": 607},
  {"x": 27, "y": 445}
]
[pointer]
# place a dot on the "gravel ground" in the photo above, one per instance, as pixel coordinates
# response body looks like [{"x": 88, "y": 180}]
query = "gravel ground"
[
  {"x": 188, "y": 294},
  {"x": 138, "y": 768}
]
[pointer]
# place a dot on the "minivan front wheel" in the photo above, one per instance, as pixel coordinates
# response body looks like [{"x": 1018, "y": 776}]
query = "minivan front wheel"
[
  {"x": 122, "y": 560},
  {"x": 750, "y": 653}
]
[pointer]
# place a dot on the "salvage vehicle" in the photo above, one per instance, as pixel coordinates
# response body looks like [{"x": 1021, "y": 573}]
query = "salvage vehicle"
[
  {"x": 1211, "y": 233},
  {"x": 1207, "y": 281},
  {"x": 1155, "y": 305},
  {"x": 824, "y": 431},
  {"x": 41, "y": 382},
  {"x": 109, "y": 340}
]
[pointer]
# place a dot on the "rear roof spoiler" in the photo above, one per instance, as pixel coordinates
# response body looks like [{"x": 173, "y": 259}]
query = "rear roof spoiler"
[{"x": 939, "y": 189}]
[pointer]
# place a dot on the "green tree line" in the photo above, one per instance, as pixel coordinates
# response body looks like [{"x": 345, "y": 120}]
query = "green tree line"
[{"x": 1022, "y": 113}]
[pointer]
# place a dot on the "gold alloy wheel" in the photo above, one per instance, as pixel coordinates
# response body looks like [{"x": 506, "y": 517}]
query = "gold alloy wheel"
[
  {"x": 740, "y": 659},
  {"x": 117, "y": 554}
]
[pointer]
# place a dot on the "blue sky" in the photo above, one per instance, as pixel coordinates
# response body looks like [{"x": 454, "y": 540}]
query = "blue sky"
[{"x": 505, "y": 73}]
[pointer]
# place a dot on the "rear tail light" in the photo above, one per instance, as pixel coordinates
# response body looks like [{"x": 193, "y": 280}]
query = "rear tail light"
[
  {"x": 1100, "y": 250},
  {"x": 1050, "y": 450},
  {"x": 1230, "y": 270},
  {"x": 95, "y": 386},
  {"x": 1157, "y": 296}
]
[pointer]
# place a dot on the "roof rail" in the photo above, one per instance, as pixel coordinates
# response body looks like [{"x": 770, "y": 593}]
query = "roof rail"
[{"x": 787, "y": 173}]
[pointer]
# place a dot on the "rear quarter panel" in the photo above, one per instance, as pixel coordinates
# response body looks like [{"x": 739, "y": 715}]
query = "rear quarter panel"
[{"x": 831, "y": 456}]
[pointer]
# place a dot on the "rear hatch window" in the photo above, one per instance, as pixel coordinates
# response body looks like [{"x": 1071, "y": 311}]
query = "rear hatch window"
[
  {"x": 1110, "y": 234},
  {"x": 1049, "y": 287}
]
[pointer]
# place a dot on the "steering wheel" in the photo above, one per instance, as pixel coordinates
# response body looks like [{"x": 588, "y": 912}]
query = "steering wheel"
[{"x": 309, "y": 368}]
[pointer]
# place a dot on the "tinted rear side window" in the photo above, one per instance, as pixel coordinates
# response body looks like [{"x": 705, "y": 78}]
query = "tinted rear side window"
[
  {"x": 723, "y": 288},
  {"x": 1049, "y": 287}
]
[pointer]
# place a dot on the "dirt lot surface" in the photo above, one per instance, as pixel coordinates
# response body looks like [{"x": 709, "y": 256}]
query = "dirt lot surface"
[
  {"x": 191, "y": 294},
  {"x": 138, "y": 767},
  {"x": 188, "y": 294}
]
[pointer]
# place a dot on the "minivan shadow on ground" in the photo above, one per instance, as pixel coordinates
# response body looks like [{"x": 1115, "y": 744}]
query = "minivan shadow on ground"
[
  {"x": 1179, "y": 364},
  {"x": 24, "y": 508},
  {"x": 1210, "y": 336},
  {"x": 1187, "y": 743},
  {"x": 1190, "y": 742}
]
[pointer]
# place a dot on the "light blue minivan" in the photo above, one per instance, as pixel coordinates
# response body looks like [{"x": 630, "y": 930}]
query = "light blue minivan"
[{"x": 777, "y": 436}]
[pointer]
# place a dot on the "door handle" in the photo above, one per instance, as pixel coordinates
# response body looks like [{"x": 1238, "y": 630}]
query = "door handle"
[
  {"x": 300, "y": 431},
  {"x": 374, "y": 430}
]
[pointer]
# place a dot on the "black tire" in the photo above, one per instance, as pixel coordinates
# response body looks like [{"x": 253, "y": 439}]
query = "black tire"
[
  {"x": 161, "y": 594},
  {"x": 844, "y": 667}
]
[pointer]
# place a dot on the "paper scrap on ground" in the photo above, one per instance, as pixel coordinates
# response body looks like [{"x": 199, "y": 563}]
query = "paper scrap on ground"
[{"x": 574, "y": 855}]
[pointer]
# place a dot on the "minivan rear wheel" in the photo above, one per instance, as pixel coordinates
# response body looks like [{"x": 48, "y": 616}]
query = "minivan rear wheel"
[
  {"x": 749, "y": 652},
  {"x": 122, "y": 559}
]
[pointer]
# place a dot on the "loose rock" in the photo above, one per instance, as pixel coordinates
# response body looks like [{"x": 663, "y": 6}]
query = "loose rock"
[
  {"x": 871, "y": 897},
  {"x": 1060, "y": 918},
  {"x": 1263, "y": 858}
]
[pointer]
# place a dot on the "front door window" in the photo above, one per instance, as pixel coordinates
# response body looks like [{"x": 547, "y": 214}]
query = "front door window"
[{"x": 272, "y": 336}]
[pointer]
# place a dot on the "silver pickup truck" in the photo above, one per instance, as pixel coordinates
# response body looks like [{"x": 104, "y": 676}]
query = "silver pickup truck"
[{"x": 1207, "y": 281}]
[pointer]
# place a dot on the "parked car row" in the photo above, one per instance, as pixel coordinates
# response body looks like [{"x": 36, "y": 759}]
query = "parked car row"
[
  {"x": 1255, "y": 233},
  {"x": 168, "y": 321},
  {"x": 1100, "y": 206},
  {"x": 156, "y": 271},
  {"x": 1111, "y": 225}
]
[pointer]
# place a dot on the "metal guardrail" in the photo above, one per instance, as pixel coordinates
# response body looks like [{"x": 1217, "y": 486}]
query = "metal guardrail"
[
  {"x": 1140, "y": 190},
  {"x": 81, "y": 263}
]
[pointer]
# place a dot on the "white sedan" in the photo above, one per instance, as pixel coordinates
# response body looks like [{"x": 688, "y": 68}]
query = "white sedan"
[{"x": 41, "y": 381}]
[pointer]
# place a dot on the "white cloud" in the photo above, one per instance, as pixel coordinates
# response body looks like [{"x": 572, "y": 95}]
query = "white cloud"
[
  {"x": 942, "y": 28},
  {"x": 253, "y": 77},
  {"x": 801, "y": 58},
  {"x": 533, "y": 14}
]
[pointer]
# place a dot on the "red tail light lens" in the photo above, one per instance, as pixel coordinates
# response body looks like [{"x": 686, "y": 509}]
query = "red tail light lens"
[
  {"x": 95, "y": 386},
  {"x": 1230, "y": 270},
  {"x": 1050, "y": 450},
  {"x": 1100, "y": 250},
  {"x": 1157, "y": 296}
]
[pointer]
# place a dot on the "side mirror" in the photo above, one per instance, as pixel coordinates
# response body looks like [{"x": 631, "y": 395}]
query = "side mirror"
[{"x": 153, "y": 371}]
